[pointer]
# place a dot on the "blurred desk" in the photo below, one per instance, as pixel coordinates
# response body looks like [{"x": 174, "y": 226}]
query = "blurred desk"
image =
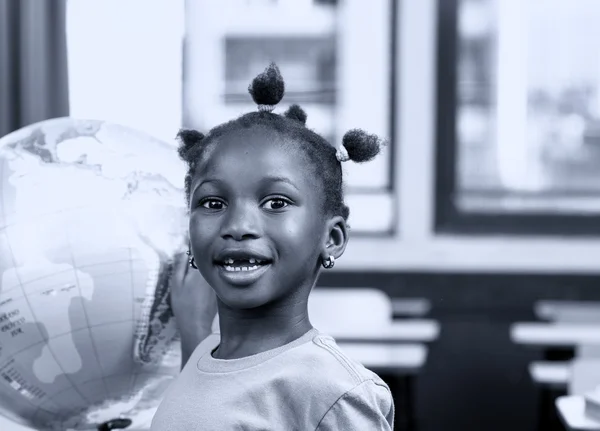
[
  {"x": 410, "y": 307},
  {"x": 556, "y": 334},
  {"x": 550, "y": 374},
  {"x": 571, "y": 410},
  {"x": 568, "y": 311},
  {"x": 402, "y": 359},
  {"x": 404, "y": 331}
]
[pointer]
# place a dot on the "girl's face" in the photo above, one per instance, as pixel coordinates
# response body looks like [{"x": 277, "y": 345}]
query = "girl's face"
[{"x": 256, "y": 224}]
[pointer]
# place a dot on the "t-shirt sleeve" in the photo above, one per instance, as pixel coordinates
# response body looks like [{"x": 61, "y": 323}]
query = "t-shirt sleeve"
[{"x": 368, "y": 406}]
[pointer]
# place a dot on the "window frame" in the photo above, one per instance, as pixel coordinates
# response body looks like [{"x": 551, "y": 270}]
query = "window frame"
[{"x": 448, "y": 218}]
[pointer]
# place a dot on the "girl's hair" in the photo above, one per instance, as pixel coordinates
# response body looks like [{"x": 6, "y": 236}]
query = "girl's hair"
[{"x": 267, "y": 91}]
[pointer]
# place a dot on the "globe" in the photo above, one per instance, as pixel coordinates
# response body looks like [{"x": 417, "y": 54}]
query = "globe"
[{"x": 91, "y": 215}]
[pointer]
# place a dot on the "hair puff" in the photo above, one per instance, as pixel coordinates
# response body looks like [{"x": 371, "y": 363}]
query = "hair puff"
[
  {"x": 361, "y": 146},
  {"x": 295, "y": 112},
  {"x": 268, "y": 87},
  {"x": 188, "y": 140}
]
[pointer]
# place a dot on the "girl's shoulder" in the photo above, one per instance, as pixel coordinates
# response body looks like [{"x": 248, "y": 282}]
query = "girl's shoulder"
[
  {"x": 325, "y": 361},
  {"x": 346, "y": 389}
]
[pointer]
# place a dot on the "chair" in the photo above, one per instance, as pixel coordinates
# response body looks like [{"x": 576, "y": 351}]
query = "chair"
[
  {"x": 553, "y": 375},
  {"x": 585, "y": 375},
  {"x": 410, "y": 307},
  {"x": 568, "y": 311},
  {"x": 588, "y": 351},
  {"x": 351, "y": 312}
]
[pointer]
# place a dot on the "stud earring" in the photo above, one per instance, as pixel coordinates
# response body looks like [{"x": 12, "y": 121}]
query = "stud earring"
[
  {"x": 191, "y": 261},
  {"x": 328, "y": 263}
]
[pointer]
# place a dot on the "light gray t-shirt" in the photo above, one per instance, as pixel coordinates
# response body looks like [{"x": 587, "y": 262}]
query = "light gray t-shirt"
[{"x": 307, "y": 384}]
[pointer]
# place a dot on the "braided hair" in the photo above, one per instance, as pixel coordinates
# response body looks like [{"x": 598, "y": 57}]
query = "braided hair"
[{"x": 323, "y": 159}]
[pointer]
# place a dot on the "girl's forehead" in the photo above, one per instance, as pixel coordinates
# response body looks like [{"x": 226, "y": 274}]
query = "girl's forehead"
[
  {"x": 258, "y": 136},
  {"x": 243, "y": 157},
  {"x": 246, "y": 148}
]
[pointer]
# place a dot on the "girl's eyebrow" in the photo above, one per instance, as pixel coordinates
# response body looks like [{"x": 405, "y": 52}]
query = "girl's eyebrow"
[
  {"x": 279, "y": 179},
  {"x": 206, "y": 181}
]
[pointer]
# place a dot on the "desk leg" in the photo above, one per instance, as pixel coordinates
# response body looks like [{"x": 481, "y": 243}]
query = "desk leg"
[
  {"x": 548, "y": 419},
  {"x": 402, "y": 388},
  {"x": 411, "y": 416},
  {"x": 544, "y": 406}
]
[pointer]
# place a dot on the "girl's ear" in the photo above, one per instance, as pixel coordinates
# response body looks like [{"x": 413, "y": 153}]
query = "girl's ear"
[{"x": 335, "y": 238}]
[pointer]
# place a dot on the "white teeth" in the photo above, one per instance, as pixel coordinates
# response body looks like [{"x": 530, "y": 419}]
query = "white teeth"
[
  {"x": 252, "y": 260},
  {"x": 240, "y": 268}
]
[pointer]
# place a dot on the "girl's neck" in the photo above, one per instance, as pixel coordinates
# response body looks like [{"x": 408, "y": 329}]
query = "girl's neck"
[{"x": 243, "y": 334}]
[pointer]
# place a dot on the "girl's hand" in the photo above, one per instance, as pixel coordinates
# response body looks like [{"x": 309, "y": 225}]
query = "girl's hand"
[{"x": 194, "y": 305}]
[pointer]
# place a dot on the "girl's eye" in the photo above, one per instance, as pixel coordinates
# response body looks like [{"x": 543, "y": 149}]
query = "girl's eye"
[
  {"x": 212, "y": 204},
  {"x": 275, "y": 204}
]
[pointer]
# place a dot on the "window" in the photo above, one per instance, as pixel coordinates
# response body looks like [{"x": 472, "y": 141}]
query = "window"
[
  {"x": 125, "y": 63},
  {"x": 342, "y": 77},
  {"x": 518, "y": 117}
]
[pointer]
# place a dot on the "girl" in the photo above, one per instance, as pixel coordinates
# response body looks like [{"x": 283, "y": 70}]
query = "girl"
[{"x": 266, "y": 212}]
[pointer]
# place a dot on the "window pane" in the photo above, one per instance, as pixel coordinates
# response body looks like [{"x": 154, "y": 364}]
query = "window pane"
[
  {"x": 528, "y": 114},
  {"x": 308, "y": 64}
]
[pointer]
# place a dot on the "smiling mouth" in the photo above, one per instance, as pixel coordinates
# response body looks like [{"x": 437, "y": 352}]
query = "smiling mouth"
[{"x": 242, "y": 265}]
